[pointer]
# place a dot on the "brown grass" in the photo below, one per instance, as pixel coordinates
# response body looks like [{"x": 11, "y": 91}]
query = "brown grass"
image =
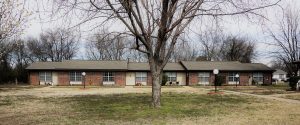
[
  {"x": 232, "y": 110},
  {"x": 292, "y": 96},
  {"x": 260, "y": 90}
]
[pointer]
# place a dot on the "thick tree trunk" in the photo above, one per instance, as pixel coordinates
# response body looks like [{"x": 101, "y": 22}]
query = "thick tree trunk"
[
  {"x": 156, "y": 71},
  {"x": 156, "y": 89}
]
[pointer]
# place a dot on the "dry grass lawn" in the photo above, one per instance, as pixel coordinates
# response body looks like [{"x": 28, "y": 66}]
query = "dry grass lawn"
[
  {"x": 292, "y": 96},
  {"x": 183, "y": 108},
  {"x": 260, "y": 90}
]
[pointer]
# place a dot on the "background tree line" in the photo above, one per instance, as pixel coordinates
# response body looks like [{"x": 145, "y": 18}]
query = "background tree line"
[{"x": 61, "y": 44}]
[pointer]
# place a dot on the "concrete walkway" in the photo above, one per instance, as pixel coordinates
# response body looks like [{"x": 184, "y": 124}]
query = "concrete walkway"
[{"x": 264, "y": 96}]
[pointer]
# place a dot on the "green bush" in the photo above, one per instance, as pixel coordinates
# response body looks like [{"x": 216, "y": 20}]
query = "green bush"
[
  {"x": 254, "y": 82},
  {"x": 164, "y": 80},
  {"x": 293, "y": 82},
  {"x": 220, "y": 80}
]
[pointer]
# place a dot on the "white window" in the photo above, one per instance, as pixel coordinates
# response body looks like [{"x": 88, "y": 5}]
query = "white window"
[
  {"x": 231, "y": 77},
  {"x": 258, "y": 77},
  {"x": 108, "y": 77},
  {"x": 75, "y": 77},
  {"x": 45, "y": 76},
  {"x": 171, "y": 76},
  {"x": 281, "y": 76},
  {"x": 141, "y": 76},
  {"x": 203, "y": 77}
]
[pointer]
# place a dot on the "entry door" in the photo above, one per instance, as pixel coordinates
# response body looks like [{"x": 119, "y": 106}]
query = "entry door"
[{"x": 130, "y": 78}]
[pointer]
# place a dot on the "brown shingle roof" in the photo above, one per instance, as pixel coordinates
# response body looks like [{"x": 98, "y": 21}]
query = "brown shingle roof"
[
  {"x": 43, "y": 65},
  {"x": 80, "y": 65},
  {"x": 134, "y": 66},
  {"x": 225, "y": 66}
]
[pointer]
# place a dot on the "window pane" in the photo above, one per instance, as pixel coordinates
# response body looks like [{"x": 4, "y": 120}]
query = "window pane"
[
  {"x": 45, "y": 76},
  {"x": 203, "y": 74},
  {"x": 108, "y": 77},
  {"x": 171, "y": 76},
  {"x": 48, "y": 76},
  {"x": 258, "y": 77},
  {"x": 203, "y": 77},
  {"x": 75, "y": 76},
  {"x": 42, "y": 76},
  {"x": 141, "y": 76},
  {"x": 231, "y": 77},
  {"x": 78, "y": 77}
]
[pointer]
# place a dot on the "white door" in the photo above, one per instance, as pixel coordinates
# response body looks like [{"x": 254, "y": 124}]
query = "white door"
[
  {"x": 54, "y": 78},
  {"x": 181, "y": 78},
  {"x": 130, "y": 78}
]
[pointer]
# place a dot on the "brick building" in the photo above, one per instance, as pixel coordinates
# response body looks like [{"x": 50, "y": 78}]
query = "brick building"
[{"x": 123, "y": 73}]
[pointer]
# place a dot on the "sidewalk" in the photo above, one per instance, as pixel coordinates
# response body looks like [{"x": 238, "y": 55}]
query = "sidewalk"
[{"x": 264, "y": 96}]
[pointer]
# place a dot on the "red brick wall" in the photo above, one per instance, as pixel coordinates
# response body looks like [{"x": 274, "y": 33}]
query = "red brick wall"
[
  {"x": 149, "y": 79},
  {"x": 63, "y": 78},
  {"x": 34, "y": 78},
  {"x": 193, "y": 78},
  {"x": 244, "y": 78},
  {"x": 93, "y": 78},
  {"x": 120, "y": 78},
  {"x": 268, "y": 78}
]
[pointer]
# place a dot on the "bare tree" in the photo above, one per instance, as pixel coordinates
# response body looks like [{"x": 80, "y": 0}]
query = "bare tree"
[
  {"x": 238, "y": 49},
  {"x": 184, "y": 51},
  {"x": 212, "y": 42},
  {"x": 37, "y": 51},
  {"x": 107, "y": 46},
  {"x": 278, "y": 64},
  {"x": 157, "y": 24},
  {"x": 13, "y": 17},
  {"x": 287, "y": 40},
  {"x": 20, "y": 60},
  {"x": 54, "y": 45}
]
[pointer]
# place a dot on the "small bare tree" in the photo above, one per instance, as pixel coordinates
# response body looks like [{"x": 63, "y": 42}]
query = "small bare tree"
[{"x": 157, "y": 24}]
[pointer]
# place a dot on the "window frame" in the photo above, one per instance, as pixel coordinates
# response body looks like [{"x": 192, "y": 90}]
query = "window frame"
[
  {"x": 281, "y": 76},
  {"x": 172, "y": 76},
  {"x": 255, "y": 75},
  {"x": 75, "y": 76},
  {"x": 231, "y": 75},
  {"x": 141, "y": 77},
  {"x": 205, "y": 76},
  {"x": 108, "y": 77},
  {"x": 46, "y": 76}
]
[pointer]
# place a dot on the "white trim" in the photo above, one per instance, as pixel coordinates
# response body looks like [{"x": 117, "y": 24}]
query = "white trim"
[
  {"x": 203, "y": 83},
  {"x": 108, "y": 83},
  {"x": 75, "y": 83},
  {"x": 233, "y": 83}
]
